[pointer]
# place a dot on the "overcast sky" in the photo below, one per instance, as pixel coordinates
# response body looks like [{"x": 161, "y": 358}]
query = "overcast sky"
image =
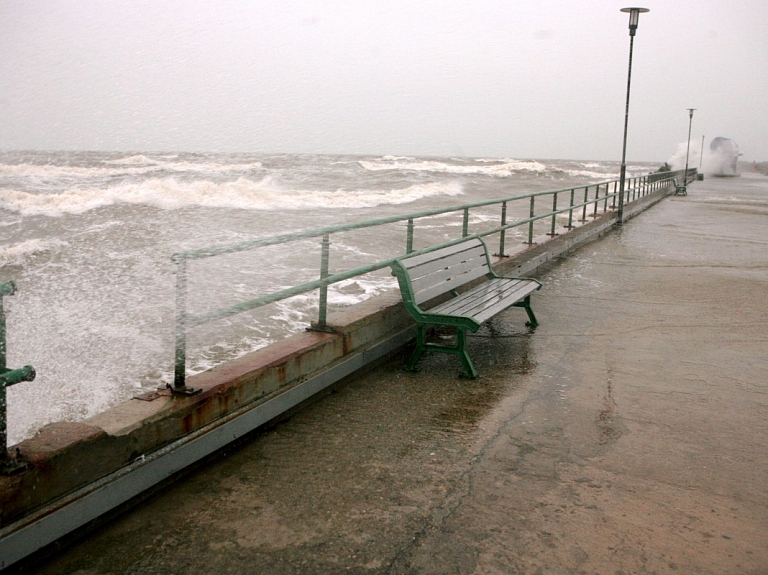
[{"x": 515, "y": 78}]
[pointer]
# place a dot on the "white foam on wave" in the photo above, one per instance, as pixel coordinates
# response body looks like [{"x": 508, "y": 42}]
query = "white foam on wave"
[
  {"x": 590, "y": 175},
  {"x": 132, "y": 160},
  {"x": 169, "y": 193},
  {"x": 395, "y": 158},
  {"x": 499, "y": 170},
  {"x": 19, "y": 253},
  {"x": 48, "y": 172}
]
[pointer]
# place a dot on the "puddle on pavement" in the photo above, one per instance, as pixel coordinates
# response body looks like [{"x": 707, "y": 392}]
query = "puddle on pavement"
[{"x": 502, "y": 355}]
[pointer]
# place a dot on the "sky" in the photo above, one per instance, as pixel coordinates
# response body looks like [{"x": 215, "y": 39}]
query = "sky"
[{"x": 544, "y": 79}]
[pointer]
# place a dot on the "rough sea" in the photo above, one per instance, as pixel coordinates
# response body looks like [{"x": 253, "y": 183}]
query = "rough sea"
[{"x": 88, "y": 239}]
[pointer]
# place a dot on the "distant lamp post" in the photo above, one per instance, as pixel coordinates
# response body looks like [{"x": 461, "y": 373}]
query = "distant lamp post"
[
  {"x": 688, "y": 149},
  {"x": 634, "y": 17}
]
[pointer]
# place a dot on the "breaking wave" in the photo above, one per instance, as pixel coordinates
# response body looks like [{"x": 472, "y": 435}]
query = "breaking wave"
[
  {"x": 500, "y": 170},
  {"x": 243, "y": 193}
]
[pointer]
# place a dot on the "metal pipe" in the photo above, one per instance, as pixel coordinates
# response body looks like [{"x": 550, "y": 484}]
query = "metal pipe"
[
  {"x": 503, "y": 233},
  {"x": 323, "y": 307},
  {"x": 584, "y": 205},
  {"x": 180, "y": 366},
  {"x": 306, "y": 234},
  {"x": 8, "y": 377},
  {"x": 181, "y": 332},
  {"x": 688, "y": 149},
  {"x": 634, "y": 15},
  {"x": 186, "y": 320},
  {"x": 554, "y": 215},
  {"x": 530, "y": 225}
]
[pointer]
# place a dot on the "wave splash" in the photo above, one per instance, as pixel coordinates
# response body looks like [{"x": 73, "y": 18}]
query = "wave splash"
[
  {"x": 502, "y": 169},
  {"x": 243, "y": 193}
]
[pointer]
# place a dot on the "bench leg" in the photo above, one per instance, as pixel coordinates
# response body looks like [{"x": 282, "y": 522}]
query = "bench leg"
[
  {"x": 461, "y": 340},
  {"x": 421, "y": 344},
  {"x": 459, "y": 349},
  {"x": 526, "y": 303}
]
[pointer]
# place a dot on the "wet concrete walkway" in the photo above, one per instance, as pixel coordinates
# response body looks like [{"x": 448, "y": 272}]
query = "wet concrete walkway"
[{"x": 627, "y": 434}]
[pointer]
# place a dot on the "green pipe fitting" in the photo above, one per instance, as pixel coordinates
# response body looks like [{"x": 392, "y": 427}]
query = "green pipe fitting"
[
  {"x": 13, "y": 376},
  {"x": 7, "y": 288}
]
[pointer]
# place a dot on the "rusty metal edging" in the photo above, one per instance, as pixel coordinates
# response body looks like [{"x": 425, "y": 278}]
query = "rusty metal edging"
[{"x": 64, "y": 516}]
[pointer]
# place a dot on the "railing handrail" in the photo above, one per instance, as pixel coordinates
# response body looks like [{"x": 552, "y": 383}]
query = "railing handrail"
[
  {"x": 637, "y": 186},
  {"x": 318, "y": 232}
]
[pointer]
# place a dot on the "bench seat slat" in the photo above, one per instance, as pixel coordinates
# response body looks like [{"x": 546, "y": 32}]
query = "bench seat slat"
[
  {"x": 427, "y": 287},
  {"x": 486, "y": 294},
  {"x": 487, "y": 300},
  {"x": 415, "y": 261},
  {"x": 446, "y": 267}
]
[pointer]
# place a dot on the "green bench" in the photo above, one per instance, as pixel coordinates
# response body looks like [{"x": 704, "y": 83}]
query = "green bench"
[
  {"x": 427, "y": 276},
  {"x": 679, "y": 190}
]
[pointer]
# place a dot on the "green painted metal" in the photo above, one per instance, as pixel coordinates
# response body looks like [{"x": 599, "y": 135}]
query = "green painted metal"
[
  {"x": 321, "y": 324},
  {"x": 462, "y": 323},
  {"x": 530, "y": 224},
  {"x": 184, "y": 320},
  {"x": 503, "y": 234},
  {"x": 8, "y": 377},
  {"x": 554, "y": 216},
  {"x": 570, "y": 210}
]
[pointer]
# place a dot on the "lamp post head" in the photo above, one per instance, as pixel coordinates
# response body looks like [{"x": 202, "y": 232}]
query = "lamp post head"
[
  {"x": 634, "y": 17},
  {"x": 690, "y": 112}
]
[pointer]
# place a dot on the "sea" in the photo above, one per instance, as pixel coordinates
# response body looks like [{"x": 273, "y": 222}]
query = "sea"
[{"x": 88, "y": 239}]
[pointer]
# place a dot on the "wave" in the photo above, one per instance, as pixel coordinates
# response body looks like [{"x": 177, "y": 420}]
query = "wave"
[
  {"x": 169, "y": 193},
  {"x": 49, "y": 172},
  {"x": 20, "y": 253},
  {"x": 592, "y": 176},
  {"x": 501, "y": 170},
  {"x": 132, "y": 160}
]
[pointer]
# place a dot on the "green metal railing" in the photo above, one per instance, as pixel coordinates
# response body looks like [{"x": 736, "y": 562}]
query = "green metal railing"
[
  {"x": 581, "y": 202},
  {"x": 8, "y": 377}
]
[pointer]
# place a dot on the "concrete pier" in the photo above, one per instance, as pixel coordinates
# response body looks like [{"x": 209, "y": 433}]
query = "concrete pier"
[{"x": 626, "y": 434}]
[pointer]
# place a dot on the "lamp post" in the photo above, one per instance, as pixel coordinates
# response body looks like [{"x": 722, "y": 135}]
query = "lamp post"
[
  {"x": 634, "y": 17},
  {"x": 688, "y": 149}
]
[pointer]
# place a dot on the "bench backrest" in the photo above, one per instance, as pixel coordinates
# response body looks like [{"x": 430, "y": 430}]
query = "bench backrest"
[{"x": 435, "y": 273}]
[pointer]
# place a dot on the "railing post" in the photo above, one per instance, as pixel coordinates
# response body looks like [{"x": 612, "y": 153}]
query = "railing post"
[
  {"x": 409, "y": 237},
  {"x": 570, "y": 210},
  {"x": 8, "y": 288},
  {"x": 322, "y": 313},
  {"x": 584, "y": 207},
  {"x": 554, "y": 210},
  {"x": 465, "y": 228},
  {"x": 530, "y": 224},
  {"x": 503, "y": 234},
  {"x": 613, "y": 203},
  {"x": 605, "y": 202},
  {"x": 596, "y": 202},
  {"x": 8, "y": 377},
  {"x": 180, "y": 370}
]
